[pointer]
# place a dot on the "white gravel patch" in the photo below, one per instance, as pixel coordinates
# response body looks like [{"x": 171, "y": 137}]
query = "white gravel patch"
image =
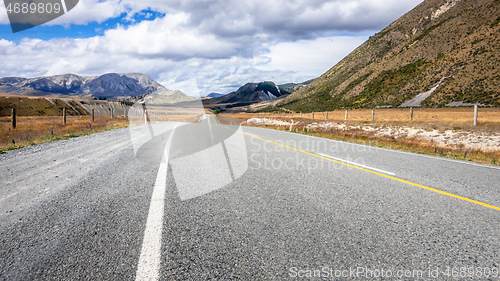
[{"x": 266, "y": 121}]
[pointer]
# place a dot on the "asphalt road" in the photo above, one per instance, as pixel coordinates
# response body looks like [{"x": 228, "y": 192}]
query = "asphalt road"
[{"x": 206, "y": 201}]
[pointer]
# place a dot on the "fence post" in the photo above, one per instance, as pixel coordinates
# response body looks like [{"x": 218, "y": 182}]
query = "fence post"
[
  {"x": 313, "y": 115},
  {"x": 93, "y": 115},
  {"x": 64, "y": 116},
  {"x": 346, "y": 115},
  {"x": 411, "y": 114},
  {"x": 14, "y": 121},
  {"x": 112, "y": 114},
  {"x": 373, "y": 115},
  {"x": 301, "y": 114},
  {"x": 475, "y": 114},
  {"x": 327, "y": 115}
]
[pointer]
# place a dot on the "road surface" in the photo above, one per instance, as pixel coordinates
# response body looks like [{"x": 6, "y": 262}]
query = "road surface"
[{"x": 207, "y": 201}]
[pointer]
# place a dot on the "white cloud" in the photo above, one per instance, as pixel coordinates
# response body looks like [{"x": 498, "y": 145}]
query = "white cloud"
[
  {"x": 87, "y": 11},
  {"x": 250, "y": 17},
  {"x": 311, "y": 58},
  {"x": 189, "y": 87},
  {"x": 282, "y": 17},
  {"x": 4, "y": 19},
  {"x": 206, "y": 46},
  {"x": 167, "y": 37}
]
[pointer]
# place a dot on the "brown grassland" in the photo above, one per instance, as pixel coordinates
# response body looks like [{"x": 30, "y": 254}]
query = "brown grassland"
[
  {"x": 41, "y": 129},
  {"x": 32, "y": 130},
  {"x": 457, "y": 119}
]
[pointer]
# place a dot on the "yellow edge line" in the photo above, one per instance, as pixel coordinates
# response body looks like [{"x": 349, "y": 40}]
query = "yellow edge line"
[{"x": 380, "y": 174}]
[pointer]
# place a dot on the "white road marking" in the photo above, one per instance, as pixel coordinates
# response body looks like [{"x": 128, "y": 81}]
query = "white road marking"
[
  {"x": 358, "y": 165},
  {"x": 150, "y": 259},
  {"x": 210, "y": 129}
]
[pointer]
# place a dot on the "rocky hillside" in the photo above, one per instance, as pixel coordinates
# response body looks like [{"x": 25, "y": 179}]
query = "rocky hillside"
[
  {"x": 443, "y": 52},
  {"x": 109, "y": 86},
  {"x": 47, "y": 106}
]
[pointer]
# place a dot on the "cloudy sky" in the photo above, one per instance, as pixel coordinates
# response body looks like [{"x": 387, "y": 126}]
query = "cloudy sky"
[{"x": 197, "y": 46}]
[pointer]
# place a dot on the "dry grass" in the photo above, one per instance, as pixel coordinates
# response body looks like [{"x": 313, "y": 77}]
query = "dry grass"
[
  {"x": 432, "y": 119},
  {"x": 420, "y": 115},
  {"x": 425, "y": 118},
  {"x": 37, "y": 130},
  {"x": 233, "y": 119}
]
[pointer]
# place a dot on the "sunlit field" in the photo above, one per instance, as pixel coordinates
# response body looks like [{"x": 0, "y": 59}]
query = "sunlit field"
[
  {"x": 41, "y": 129},
  {"x": 442, "y": 116}
]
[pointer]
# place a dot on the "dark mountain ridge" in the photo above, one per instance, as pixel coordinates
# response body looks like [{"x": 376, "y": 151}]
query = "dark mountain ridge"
[{"x": 248, "y": 94}]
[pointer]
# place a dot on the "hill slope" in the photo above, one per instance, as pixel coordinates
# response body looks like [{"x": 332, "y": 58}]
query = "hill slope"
[
  {"x": 167, "y": 97},
  {"x": 48, "y": 106},
  {"x": 443, "y": 50}
]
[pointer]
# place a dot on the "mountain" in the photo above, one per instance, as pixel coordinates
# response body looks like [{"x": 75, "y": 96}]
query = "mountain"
[
  {"x": 9, "y": 81},
  {"x": 165, "y": 96},
  {"x": 442, "y": 52},
  {"x": 252, "y": 93},
  {"x": 119, "y": 85},
  {"x": 110, "y": 86},
  {"x": 215, "y": 95}
]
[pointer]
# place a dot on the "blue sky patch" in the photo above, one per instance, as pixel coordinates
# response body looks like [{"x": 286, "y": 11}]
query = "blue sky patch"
[{"x": 47, "y": 32}]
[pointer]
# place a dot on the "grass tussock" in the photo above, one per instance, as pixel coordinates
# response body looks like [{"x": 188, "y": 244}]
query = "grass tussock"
[{"x": 38, "y": 130}]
